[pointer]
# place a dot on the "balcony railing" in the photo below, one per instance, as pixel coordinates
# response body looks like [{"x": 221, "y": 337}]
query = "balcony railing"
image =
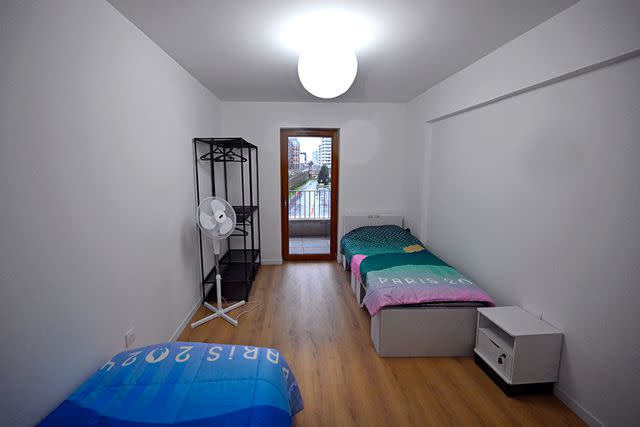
[{"x": 310, "y": 204}]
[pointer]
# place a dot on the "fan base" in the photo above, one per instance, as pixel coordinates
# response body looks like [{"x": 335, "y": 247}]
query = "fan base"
[{"x": 219, "y": 312}]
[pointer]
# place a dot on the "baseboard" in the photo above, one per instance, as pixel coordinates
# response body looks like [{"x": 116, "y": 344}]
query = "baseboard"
[
  {"x": 580, "y": 410},
  {"x": 185, "y": 321},
  {"x": 271, "y": 261}
]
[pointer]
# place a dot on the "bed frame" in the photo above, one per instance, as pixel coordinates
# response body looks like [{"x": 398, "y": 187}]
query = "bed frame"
[{"x": 415, "y": 331}]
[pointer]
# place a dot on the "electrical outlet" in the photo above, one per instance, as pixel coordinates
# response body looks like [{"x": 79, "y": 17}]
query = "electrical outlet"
[{"x": 129, "y": 338}]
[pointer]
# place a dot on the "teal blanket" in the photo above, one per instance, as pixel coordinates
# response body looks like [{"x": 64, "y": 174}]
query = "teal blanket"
[
  {"x": 373, "y": 240},
  {"x": 383, "y": 262}
]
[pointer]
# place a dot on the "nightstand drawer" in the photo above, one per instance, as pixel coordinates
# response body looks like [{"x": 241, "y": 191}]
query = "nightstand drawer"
[{"x": 495, "y": 352}]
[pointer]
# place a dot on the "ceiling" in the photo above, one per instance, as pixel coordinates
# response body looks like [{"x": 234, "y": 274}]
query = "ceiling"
[{"x": 235, "y": 47}]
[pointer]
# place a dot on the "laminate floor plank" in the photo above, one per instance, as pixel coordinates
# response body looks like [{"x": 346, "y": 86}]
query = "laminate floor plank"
[{"x": 307, "y": 310}]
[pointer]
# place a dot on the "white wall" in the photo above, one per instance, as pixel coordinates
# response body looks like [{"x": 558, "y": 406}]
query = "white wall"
[
  {"x": 531, "y": 188},
  {"x": 96, "y": 195},
  {"x": 537, "y": 198},
  {"x": 373, "y": 155},
  {"x": 588, "y": 34},
  {"x": 418, "y": 137}
]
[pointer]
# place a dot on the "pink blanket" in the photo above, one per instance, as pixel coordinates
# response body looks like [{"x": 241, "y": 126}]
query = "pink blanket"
[
  {"x": 413, "y": 278},
  {"x": 356, "y": 260}
]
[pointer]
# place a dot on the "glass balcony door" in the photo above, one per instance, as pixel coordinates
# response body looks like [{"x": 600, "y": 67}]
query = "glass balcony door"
[{"x": 309, "y": 175}]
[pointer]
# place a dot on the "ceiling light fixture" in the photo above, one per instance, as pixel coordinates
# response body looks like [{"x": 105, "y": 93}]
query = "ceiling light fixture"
[
  {"x": 327, "y": 72},
  {"x": 326, "y": 42}
]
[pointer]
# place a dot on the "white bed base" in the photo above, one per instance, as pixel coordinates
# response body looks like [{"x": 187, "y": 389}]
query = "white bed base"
[
  {"x": 357, "y": 287},
  {"x": 421, "y": 331},
  {"x": 415, "y": 331},
  {"x": 424, "y": 331}
]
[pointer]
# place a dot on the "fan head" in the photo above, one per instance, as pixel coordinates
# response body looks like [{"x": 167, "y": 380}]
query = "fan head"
[{"x": 216, "y": 218}]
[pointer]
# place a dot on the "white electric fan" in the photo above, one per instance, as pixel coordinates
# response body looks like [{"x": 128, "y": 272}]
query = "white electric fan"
[{"x": 217, "y": 220}]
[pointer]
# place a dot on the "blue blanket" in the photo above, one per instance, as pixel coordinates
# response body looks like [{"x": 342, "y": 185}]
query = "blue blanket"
[{"x": 185, "y": 384}]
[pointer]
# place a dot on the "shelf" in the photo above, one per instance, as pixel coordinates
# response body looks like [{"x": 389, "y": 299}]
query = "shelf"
[
  {"x": 498, "y": 336},
  {"x": 516, "y": 321},
  {"x": 232, "y": 272},
  {"x": 231, "y": 142},
  {"x": 244, "y": 214},
  {"x": 237, "y": 275},
  {"x": 237, "y": 256},
  {"x": 236, "y": 272},
  {"x": 237, "y": 279},
  {"x": 238, "y": 267}
]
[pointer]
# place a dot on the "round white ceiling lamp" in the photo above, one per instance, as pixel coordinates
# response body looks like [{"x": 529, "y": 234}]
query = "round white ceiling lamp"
[{"x": 327, "y": 71}]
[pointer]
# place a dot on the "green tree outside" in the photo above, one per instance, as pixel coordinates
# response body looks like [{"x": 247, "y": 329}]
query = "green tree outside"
[{"x": 323, "y": 175}]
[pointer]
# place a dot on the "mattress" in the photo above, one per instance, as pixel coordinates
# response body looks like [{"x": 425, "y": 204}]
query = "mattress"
[{"x": 186, "y": 384}]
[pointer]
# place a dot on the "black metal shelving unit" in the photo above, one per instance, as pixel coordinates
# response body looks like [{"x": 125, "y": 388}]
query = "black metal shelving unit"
[{"x": 239, "y": 265}]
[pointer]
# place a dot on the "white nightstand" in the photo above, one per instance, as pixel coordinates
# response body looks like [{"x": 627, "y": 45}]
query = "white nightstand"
[{"x": 520, "y": 352}]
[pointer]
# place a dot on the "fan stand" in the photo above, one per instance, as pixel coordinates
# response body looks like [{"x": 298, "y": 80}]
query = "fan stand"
[{"x": 219, "y": 311}]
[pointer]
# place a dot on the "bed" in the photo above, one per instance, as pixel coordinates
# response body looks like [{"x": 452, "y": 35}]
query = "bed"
[
  {"x": 373, "y": 240},
  {"x": 419, "y": 305},
  {"x": 186, "y": 384},
  {"x": 369, "y": 242}
]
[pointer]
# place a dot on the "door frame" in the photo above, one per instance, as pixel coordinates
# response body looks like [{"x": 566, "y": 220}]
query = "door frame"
[{"x": 334, "y": 134}]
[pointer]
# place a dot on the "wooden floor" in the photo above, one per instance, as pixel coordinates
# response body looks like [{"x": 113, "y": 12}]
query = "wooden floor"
[{"x": 309, "y": 314}]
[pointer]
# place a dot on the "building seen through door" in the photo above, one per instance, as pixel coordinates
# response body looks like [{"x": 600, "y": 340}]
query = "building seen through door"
[{"x": 309, "y": 169}]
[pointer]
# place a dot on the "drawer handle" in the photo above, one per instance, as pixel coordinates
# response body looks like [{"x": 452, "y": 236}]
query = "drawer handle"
[{"x": 501, "y": 358}]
